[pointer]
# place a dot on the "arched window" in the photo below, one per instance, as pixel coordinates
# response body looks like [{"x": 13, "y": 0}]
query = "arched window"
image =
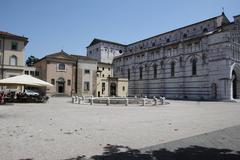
[
  {"x": 140, "y": 72},
  {"x": 205, "y": 30},
  {"x": 61, "y": 66},
  {"x": 172, "y": 69},
  {"x": 194, "y": 67},
  {"x": 181, "y": 61},
  {"x": 13, "y": 60},
  {"x": 155, "y": 71},
  {"x": 184, "y": 35}
]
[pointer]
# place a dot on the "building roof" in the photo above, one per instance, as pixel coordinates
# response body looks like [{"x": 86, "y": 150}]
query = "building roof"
[
  {"x": 65, "y": 56},
  {"x": 96, "y": 41},
  {"x": 104, "y": 63},
  {"x": 13, "y": 36},
  {"x": 213, "y": 18},
  {"x": 80, "y": 57},
  {"x": 58, "y": 55}
]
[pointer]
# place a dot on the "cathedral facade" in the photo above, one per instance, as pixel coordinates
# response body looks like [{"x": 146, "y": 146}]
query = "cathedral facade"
[{"x": 200, "y": 61}]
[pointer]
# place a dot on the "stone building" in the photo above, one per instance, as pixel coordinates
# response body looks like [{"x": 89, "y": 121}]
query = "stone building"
[
  {"x": 59, "y": 69},
  {"x": 86, "y": 77},
  {"x": 104, "y": 51},
  {"x": 70, "y": 74},
  {"x": 198, "y": 61},
  {"x": 107, "y": 85},
  {"x": 12, "y": 54}
]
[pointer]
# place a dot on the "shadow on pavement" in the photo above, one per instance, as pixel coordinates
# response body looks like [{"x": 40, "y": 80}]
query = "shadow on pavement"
[{"x": 112, "y": 152}]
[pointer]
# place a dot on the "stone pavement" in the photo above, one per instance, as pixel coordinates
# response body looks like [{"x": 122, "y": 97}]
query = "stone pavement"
[{"x": 217, "y": 145}]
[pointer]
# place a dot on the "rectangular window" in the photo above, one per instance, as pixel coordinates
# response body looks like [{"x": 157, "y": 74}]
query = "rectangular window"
[
  {"x": 86, "y": 86},
  {"x": 27, "y": 72},
  {"x": 103, "y": 68},
  {"x": 32, "y": 73},
  {"x": 123, "y": 88},
  {"x": 87, "y": 71},
  {"x": 0, "y": 44},
  {"x": 36, "y": 73},
  {"x": 14, "y": 45},
  {"x": 109, "y": 69},
  {"x": 69, "y": 82},
  {"x": 61, "y": 67},
  {"x": 53, "y": 81}
]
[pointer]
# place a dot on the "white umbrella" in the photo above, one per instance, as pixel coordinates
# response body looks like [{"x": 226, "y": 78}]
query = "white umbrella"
[{"x": 25, "y": 80}]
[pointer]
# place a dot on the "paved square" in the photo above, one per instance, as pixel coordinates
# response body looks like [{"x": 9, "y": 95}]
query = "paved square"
[{"x": 61, "y": 130}]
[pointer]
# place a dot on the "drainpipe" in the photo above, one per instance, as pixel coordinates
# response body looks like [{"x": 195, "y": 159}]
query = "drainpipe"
[
  {"x": 3, "y": 49},
  {"x": 76, "y": 78}
]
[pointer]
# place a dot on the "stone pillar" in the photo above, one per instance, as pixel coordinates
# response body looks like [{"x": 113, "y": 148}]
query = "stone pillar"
[
  {"x": 126, "y": 101},
  {"x": 76, "y": 99},
  {"x": 155, "y": 101},
  {"x": 83, "y": 99},
  {"x": 73, "y": 99},
  {"x": 108, "y": 101},
  {"x": 144, "y": 101},
  {"x": 91, "y": 100},
  {"x": 79, "y": 100}
]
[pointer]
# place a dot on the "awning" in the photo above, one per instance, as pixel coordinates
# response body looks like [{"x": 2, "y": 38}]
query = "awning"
[{"x": 25, "y": 80}]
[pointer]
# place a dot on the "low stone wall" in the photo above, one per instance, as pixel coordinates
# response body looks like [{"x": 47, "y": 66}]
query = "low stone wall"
[{"x": 118, "y": 100}]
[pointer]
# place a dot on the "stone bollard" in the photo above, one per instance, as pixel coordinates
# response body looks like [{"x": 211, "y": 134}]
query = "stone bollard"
[
  {"x": 91, "y": 100},
  {"x": 144, "y": 101},
  {"x": 83, "y": 99},
  {"x": 73, "y": 99},
  {"x": 126, "y": 102},
  {"x": 164, "y": 99},
  {"x": 108, "y": 101},
  {"x": 79, "y": 100},
  {"x": 76, "y": 99},
  {"x": 161, "y": 100},
  {"x": 155, "y": 101}
]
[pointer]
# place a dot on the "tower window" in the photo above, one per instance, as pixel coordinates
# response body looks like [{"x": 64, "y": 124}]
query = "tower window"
[
  {"x": 14, "y": 45},
  {"x": 13, "y": 60}
]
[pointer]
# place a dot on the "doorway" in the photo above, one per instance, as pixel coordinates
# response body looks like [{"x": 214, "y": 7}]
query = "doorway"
[
  {"x": 60, "y": 85},
  {"x": 234, "y": 85},
  {"x": 98, "y": 93},
  {"x": 113, "y": 89}
]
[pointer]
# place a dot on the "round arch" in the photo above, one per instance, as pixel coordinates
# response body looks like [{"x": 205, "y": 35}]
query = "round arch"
[{"x": 235, "y": 81}]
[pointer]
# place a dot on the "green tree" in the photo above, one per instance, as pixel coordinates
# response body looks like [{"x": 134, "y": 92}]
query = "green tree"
[{"x": 31, "y": 60}]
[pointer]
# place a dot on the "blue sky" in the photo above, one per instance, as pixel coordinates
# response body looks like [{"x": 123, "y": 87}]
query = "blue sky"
[{"x": 52, "y": 25}]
